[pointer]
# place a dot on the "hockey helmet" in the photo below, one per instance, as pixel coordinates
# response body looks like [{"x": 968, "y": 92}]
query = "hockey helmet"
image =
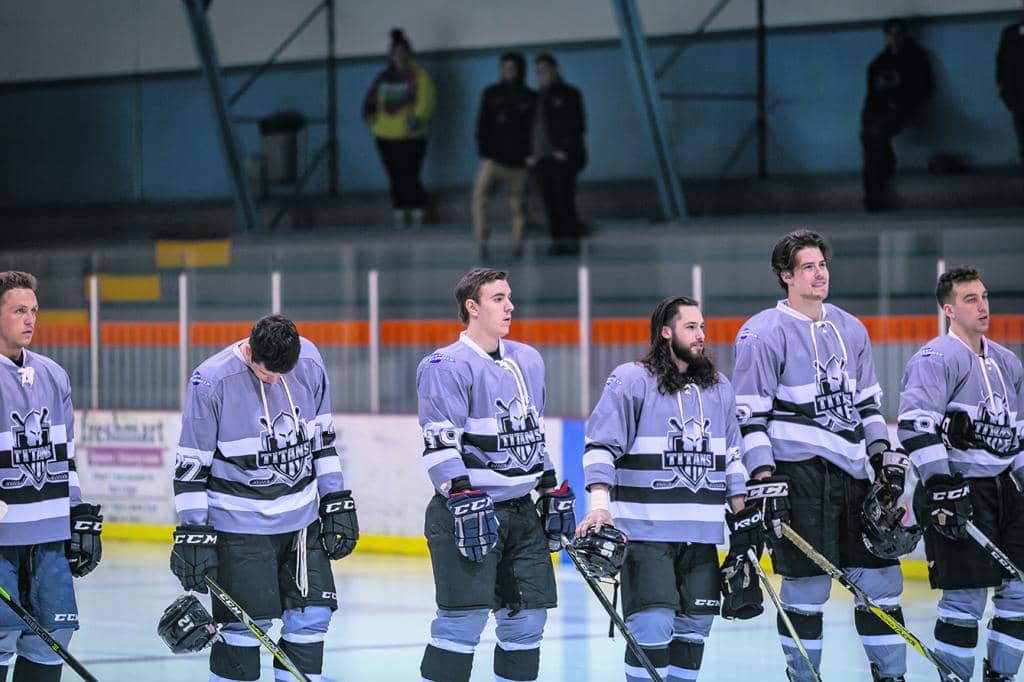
[
  {"x": 602, "y": 552},
  {"x": 186, "y": 625},
  {"x": 884, "y": 534}
]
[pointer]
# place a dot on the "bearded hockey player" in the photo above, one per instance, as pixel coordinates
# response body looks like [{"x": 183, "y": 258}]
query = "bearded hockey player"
[
  {"x": 48, "y": 535},
  {"x": 809, "y": 407},
  {"x": 481, "y": 406},
  {"x": 662, "y": 457},
  {"x": 259, "y": 493},
  {"x": 961, "y": 406}
]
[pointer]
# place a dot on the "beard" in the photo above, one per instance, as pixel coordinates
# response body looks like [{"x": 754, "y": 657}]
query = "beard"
[{"x": 698, "y": 365}]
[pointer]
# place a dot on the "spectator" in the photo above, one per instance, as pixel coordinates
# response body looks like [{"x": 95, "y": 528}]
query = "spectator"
[
  {"x": 899, "y": 82},
  {"x": 558, "y": 153},
  {"x": 1010, "y": 77},
  {"x": 503, "y": 141},
  {"x": 398, "y": 107}
]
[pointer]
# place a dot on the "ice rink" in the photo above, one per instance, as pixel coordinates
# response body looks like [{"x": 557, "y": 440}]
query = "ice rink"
[{"x": 386, "y": 608}]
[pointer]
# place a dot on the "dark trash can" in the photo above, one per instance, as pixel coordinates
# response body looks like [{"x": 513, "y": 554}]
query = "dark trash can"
[{"x": 281, "y": 133}]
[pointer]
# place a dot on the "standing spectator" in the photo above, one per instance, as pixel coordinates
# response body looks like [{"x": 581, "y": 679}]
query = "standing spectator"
[
  {"x": 1010, "y": 76},
  {"x": 558, "y": 153},
  {"x": 899, "y": 82},
  {"x": 398, "y": 107},
  {"x": 503, "y": 140}
]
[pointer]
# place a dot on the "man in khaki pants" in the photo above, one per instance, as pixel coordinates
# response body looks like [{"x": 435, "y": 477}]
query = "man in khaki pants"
[{"x": 503, "y": 140}]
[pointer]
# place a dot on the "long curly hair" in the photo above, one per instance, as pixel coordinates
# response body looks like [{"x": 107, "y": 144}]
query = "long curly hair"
[{"x": 659, "y": 359}]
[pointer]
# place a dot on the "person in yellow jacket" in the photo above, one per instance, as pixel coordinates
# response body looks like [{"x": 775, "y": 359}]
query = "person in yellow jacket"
[{"x": 397, "y": 107}]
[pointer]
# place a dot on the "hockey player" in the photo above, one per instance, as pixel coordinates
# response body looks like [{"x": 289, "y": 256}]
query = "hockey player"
[
  {"x": 481, "y": 406},
  {"x": 961, "y": 412},
  {"x": 809, "y": 407},
  {"x": 662, "y": 457},
  {"x": 48, "y": 535},
  {"x": 259, "y": 493}
]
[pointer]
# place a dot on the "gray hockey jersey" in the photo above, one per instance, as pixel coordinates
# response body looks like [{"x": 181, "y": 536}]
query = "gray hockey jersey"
[
  {"x": 670, "y": 460},
  {"x": 484, "y": 418},
  {"x": 946, "y": 375},
  {"x": 807, "y": 389},
  {"x": 254, "y": 457},
  {"x": 37, "y": 451}
]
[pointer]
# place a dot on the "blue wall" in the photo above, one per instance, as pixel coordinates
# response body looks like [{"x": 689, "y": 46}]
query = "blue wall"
[{"x": 153, "y": 138}]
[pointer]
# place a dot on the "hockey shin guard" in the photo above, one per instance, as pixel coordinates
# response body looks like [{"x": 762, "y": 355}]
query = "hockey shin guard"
[{"x": 955, "y": 642}]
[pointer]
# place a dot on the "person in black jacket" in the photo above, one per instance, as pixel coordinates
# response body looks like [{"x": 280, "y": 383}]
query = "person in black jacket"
[
  {"x": 899, "y": 82},
  {"x": 558, "y": 153},
  {"x": 503, "y": 140},
  {"x": 1010, "y": 76}
]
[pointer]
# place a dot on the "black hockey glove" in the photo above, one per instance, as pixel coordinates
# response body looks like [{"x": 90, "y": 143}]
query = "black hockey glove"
[
  {"x": 958, "y": 431},
  {"x": 890, "y": 474},
  {"x": 85, "y": 549},
  {"x": 339, "y": 527},
  {"x": 741, "y": 591},
  {"x": 557, "y": 509},
  {"x": 772, "y": 495},
  {"x": 949, "y": 505},
  {"x": 746, "y": 529},
  {"x": 194, "y": 555},
  {"x": 475, "y": 525}
]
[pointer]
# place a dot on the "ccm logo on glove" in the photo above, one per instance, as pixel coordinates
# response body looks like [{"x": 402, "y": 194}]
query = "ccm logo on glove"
[
  {"x": 348, "y": 504},
  {"x": 195, "y": 539},
  {"x": 951, "y": 494},
  {"x": 83, "y": 525}
]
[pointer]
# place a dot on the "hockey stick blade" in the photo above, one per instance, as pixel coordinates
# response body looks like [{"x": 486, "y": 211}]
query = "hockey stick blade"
[
  {"x": 841, "y": 578},
  {"x": 41, "y": 632},
  {"x": 231, "y": 605},
  {"x": 3, "y": 509},
  {"x": 994, "y": 551},
  {"x": 595, "y": 587},
  {"x": 774, "y": 596}
]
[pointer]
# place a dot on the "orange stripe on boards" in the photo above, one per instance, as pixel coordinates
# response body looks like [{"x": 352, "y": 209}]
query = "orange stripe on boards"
[
  {"x": 345, "y": 333},
  {"x": 419, "y": 332},
  {"x": 139, "y": 334},
  {"x": 217, "y": 333},
  {"x": 61, "y": 334}
]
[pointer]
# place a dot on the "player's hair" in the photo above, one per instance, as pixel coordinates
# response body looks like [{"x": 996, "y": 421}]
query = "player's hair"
[
  {"x": 275, "y": 344},
  {"x": 546, "y": 58},
  {"x": 659, "y": 361},
  {"x": 957, "y": 275},
  {"x": 784, "y": 253},
  {"x": 519, "y": 60},
  {"x": 15, "y": 279},
  {"x": 895, "y": 23},
  {"x": 468, "y": 287},
  {"x": 398, "y": 39}
]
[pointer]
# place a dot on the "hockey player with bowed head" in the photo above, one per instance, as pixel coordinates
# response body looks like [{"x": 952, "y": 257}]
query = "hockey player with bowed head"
[
  {"x": 663, "y": 455},
  {"x": 48, "y": 534},
  {"x": 260, "y": 496},
  {"x": 961, "y": 419},
  {"x": 809, "y": 408},
  {"x": 481, "y": 407}
]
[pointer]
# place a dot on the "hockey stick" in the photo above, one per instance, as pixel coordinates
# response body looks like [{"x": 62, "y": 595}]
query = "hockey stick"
[
  {"x": 262, "y": 636},
  {"x": 883, "y": 615},
  {"x": 994, "y": 551},
  {"x": 595, "y": 587},
  {"x": 38, "y": 629},
  {"x": 782, "y": 612}
]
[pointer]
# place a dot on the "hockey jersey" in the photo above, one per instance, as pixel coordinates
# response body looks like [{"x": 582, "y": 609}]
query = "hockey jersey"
[
  {"x": 807, "y": 389},
  {"x": 37, "y": 451},
  {"x": 484, "y": 418},
  {"x": 253, "y": 457},
  {"x": 670, "y": 460},
  {"x": 946, "y": 375}
]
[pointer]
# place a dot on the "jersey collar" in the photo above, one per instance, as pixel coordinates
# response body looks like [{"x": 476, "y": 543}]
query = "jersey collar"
[
  {"x": 784, "y": 306},
  {"x": 25, "y": 360},
  {"x": 984, "y": 345},
  {"x": 464, "y": 338}
]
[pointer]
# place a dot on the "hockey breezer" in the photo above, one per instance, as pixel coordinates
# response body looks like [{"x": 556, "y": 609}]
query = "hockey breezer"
[
  {"x": 262, "y": 636},
  {"x": 837, "y": 574},
  {"x": 38, "y": 629},
  {"x": 994, "y": 551},
  {"x": 595, "y": 587}
]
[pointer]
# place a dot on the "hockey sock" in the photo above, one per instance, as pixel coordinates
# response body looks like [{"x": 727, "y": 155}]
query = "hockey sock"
[
  {"x": 635, "y": 671},
  {"x": 26, "y": 670},
  {"x": 442, "y": 665},
  {"x": 808, "y": 627},
  {"x": 235, "y": 662},
  {"x": 1005, "y": 645},
  {"x": 684, "y": 657},
  {"x": 884, "y": 648},
  {"x": 3, "y": 673},
  {"x": 307, "y": 657},
  {"x": 955, "y": 643},
  {"x": 516, "y": 664}
]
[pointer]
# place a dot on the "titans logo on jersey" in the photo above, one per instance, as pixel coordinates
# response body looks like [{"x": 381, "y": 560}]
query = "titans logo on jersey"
[
  {"x": 32, "y": 450},
  {"x": 518, "y": 433},
  {"x": 284, "y": 448},
  {"x": 992, "y": 426},
  {"x": 688, "y": 455},
  {"x": 833, "y": 400}
]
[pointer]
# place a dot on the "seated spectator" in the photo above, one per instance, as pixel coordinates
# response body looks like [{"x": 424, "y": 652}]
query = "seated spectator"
[{"x": 1010, "y": 77}]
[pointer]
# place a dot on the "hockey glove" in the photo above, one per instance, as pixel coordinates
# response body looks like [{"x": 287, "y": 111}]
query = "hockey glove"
[
  {"x": 476, "y": 526},
  {"x": 949, "y": 505},
  {"x": 339, "y": 527},
  {"x": 741, "y": 591},
  {"x": 557, "y": 509},
  {"x": 194, "y": 555},
  {"x": 958, "y": 431},
  {"x": 772, "y": 495},
  {"x": 890, "y": 474},
  {"x": 85, "y": 549},
  {"x": 746, "y": 529}
]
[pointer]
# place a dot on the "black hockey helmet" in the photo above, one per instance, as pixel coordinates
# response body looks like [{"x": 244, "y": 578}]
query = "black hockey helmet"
[
  {"x": 602, "y": 552},
  {"x": 186, "y": 625},
  {"x": 884, "y": 534}
]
